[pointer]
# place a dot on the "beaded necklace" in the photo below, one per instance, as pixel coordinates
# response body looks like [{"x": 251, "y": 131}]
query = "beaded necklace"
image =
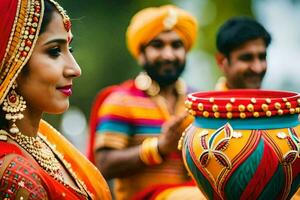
[
  {"x": 82, "y": 187},
  {"x": 40, "y": 152},
  {"x": 45, "y": 154}
]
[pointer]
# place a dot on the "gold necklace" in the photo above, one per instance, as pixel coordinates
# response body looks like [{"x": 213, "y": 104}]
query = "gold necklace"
[
  {"x": 40, "y": 152},
  {"x": 82, "y": 187},
  {"x": 47, "y": 161}
]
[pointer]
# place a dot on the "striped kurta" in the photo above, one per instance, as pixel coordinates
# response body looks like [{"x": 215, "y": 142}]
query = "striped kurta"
[{"x": 126, "y": 118}]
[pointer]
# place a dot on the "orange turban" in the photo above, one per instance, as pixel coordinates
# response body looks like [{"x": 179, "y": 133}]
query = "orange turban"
[{"x": 150, "y": 22}]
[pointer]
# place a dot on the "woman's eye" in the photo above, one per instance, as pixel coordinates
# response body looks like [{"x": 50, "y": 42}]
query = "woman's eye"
[{"x": 54, "y": 52}]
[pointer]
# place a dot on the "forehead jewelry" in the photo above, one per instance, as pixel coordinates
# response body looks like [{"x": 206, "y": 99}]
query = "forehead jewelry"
[{"x": 66, "y": 18}]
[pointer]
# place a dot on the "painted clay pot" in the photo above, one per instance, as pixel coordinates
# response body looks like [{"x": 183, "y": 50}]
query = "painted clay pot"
[{"x": 244, "y": 144}]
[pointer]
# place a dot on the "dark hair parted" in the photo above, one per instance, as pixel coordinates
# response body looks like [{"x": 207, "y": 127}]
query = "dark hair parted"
[
  {"x": 49, "y": 10},
  {"x": 238, "y": 30}
]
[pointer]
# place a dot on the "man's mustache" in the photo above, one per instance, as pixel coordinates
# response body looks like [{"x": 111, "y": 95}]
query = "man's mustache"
[
  {"x": 254, "y": 74},
  {"x": 167, "y": 62}
]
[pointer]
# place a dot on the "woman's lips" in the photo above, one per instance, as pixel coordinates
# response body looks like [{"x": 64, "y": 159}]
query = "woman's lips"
[{"x": 66, "y": 90}]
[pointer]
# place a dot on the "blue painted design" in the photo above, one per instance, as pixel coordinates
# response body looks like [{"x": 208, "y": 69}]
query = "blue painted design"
[
  {"x": 213, "y": 136},
  {"x": 275, "y": 122}
]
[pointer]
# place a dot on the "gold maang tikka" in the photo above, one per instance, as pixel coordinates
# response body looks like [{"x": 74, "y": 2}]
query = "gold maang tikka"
[
  {"x": 13, "y": 105},
  {"x": 66, "y": 18}
]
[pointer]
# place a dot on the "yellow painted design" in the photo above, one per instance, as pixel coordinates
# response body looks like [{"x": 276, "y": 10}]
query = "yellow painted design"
[
  {"x": 297, "y": 129},
  {"x": 235, "y": 147},
  {"x": 281, "y": 143}
]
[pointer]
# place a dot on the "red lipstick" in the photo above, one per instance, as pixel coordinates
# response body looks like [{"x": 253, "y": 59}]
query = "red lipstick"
[{"x": 66, "y": 90}]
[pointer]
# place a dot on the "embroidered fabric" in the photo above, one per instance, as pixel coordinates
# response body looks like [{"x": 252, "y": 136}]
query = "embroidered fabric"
[{"x": 19, "y": 178}]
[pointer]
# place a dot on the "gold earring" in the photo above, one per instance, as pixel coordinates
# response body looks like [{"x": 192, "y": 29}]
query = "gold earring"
[
  {"x": 13, "y": 105},
  {"x": 144, "y": 82}
]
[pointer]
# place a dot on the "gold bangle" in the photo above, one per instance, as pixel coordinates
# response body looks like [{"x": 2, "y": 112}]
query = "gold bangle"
[{"x": 149, "y": 152}]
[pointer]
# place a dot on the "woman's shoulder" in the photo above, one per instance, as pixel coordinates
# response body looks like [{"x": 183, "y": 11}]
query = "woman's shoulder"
[{"x": 19, "y": 178}]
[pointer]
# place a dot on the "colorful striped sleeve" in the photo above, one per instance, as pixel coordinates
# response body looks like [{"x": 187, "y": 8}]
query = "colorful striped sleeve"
[{"x": 114, "y": 127}]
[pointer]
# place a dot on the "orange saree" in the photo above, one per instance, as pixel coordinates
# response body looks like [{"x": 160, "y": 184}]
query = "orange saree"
[{"x": 17, "y": 173}]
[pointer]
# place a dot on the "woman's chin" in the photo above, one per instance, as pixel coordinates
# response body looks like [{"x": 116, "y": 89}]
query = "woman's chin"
[{"x": 58, "y": 109}]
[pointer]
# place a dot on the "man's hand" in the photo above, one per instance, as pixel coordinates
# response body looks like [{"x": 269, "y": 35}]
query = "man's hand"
[{"x": 171, "y": 132}]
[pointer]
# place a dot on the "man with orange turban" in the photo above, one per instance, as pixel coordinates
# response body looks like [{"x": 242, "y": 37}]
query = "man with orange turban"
[
  {"x": 150, "y": 22},
  {"x": 135, "y": 126}
]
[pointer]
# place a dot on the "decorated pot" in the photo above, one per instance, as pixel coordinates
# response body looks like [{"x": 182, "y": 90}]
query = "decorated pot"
[{"x": 244, "y": 144}]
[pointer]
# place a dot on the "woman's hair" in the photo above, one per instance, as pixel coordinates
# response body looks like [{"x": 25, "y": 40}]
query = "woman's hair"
[{"x": 49, "y": 10}]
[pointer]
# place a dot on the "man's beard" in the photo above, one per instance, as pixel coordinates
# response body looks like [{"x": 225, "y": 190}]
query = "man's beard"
[
  {"x": 253, "y": 80},
  {"x": 168, "y": 76}
]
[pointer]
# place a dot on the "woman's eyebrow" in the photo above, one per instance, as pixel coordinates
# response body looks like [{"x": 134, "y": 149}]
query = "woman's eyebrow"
[{"x": 58, "y": 40}]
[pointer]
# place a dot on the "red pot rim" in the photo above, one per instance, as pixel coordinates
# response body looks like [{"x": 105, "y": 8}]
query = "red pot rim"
[{"x": 243, "y": 103}]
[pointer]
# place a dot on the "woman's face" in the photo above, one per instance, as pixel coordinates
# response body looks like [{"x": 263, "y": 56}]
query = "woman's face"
[{"x": 47, "y": 83}]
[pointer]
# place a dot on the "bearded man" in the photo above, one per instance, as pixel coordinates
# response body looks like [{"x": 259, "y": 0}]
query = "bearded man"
[{"x": 139, "y": 122}]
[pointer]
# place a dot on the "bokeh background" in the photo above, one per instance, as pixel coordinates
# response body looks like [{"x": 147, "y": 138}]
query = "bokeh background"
[{"x": 99, "y": 45}]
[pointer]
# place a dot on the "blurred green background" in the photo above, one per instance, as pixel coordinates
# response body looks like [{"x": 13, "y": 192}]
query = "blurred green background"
[
  {"x": 99, "y": 40},
  {"x": 99, "y": 45},
  {"x": 100, "y": 48}
]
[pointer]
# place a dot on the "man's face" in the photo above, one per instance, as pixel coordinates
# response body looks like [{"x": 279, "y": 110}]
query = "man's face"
[
  {"x": 246, "y": 65},
  {"x": 164, "y": 58}
]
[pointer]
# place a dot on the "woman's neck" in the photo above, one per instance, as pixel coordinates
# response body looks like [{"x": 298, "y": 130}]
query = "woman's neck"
[{"x": 29, "y": 125}]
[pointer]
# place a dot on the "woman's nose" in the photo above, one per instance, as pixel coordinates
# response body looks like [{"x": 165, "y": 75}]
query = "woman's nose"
[{"x": 73, "y": 69}]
